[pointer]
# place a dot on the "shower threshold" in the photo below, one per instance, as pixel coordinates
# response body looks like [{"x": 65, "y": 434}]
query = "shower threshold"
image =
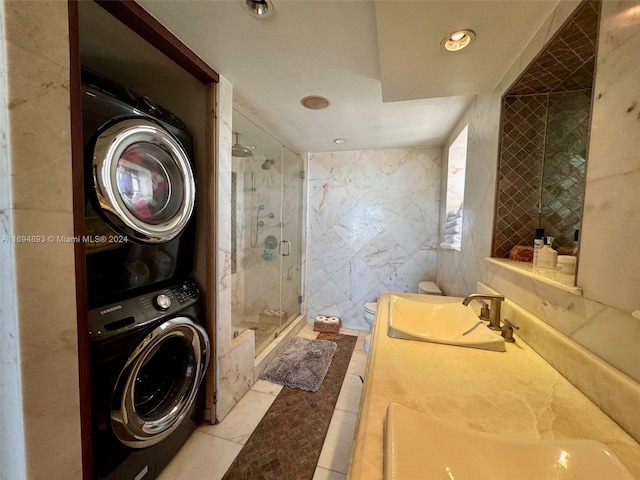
[{"x": 266, "y": 327}]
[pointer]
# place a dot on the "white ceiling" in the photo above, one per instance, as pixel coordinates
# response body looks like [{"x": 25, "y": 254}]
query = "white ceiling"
[{"x": 380, "y": 63}]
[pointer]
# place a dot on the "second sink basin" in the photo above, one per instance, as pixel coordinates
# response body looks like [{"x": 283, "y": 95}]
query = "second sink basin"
[
  {"x": 419, "y": 447},
  {"x": 448, "y": 323}
]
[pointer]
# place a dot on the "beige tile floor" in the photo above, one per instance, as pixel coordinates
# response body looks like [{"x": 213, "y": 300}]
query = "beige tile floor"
[{"x": 211, "y": 449}]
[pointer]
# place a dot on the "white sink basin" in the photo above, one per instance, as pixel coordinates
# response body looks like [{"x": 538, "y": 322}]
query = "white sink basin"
[
  {"x": 449, "y": 323},
  {"x": 418, "y": 447}
]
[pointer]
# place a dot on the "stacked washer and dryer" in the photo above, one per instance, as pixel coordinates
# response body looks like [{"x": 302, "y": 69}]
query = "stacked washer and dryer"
[{"x": 148, "y": 346}]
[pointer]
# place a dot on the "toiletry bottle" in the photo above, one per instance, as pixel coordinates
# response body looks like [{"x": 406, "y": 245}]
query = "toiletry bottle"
[
  {"x": 547, "y": 256},
  {"x": 538, "y": 243}
]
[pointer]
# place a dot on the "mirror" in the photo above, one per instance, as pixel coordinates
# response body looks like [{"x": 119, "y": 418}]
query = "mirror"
[{"x": 544, "y": 138}]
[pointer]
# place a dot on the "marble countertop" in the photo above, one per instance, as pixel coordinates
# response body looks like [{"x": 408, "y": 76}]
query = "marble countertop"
[{"x": 514, "y": 393}]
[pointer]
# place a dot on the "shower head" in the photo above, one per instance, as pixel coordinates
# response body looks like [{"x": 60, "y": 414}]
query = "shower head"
[
  {"x": 238, "y": 150},
  {"x": 267, "y": 163}
]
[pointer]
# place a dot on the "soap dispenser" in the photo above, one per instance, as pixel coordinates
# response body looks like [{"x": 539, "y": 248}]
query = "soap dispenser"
[
  {"x": 538, "y": 243},
  {"x": 547, "y": 256}
]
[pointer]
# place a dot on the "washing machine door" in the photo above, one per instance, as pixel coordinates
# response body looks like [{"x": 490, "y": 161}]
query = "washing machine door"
[
  {"x": 143, "y": 181},
  {"x": 159, "y": 383}
]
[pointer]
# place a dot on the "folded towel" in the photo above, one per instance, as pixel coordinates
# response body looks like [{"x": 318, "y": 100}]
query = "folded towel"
[
  {"x": 455, "y": 213},
  {"x": 452, "y": 237},
  {"x": 453, "y": 230}
]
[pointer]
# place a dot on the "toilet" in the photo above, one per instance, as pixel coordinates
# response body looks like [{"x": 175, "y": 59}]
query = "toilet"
[
  {"x": 425, "y": 288},
  {"x": 429, "y": 288},
  {"x": 369, "y": 316}
]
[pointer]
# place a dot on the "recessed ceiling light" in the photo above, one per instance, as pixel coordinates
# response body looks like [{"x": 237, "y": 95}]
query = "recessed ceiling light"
[
  {"x": 315, "y": 102},
  {"x": 258, "y": 8},
  {"x": 340, "y": 141},
  {"x": 458, "y": 40}
]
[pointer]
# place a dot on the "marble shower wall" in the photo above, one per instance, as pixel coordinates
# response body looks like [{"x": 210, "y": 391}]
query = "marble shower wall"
[
  {"x": 604, "y": 319},
  {"x": 260, "y": 265},
  {"x": 372, "y": 226}
]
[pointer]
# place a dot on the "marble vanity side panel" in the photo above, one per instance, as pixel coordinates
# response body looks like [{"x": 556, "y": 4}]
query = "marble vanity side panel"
[
  {"x": 235, "y": 357},
  {"x": 615, "y": 393},
  {"x": 372, "y": 226},
  {"x": 609, "y": 269},
  {"x": 40, "y": 147}
]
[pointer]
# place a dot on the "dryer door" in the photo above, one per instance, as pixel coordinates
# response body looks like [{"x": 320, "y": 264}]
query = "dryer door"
[
  {"x": 143, "y": 181},
  {"x": 159, "y": 383}
]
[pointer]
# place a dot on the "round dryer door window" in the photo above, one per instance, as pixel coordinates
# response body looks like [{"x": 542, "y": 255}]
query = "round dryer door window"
[
  {"x": 143, "y": 181},
  {"x": 159, "y": 383}
]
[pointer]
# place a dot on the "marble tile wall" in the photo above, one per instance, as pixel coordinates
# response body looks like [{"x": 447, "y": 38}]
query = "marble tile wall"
[
  {"x": 40, "y": 363},
  {"x": 606, "y": 319},
  {"x": 12, "y": 448},
  {"x": 260, "y": 264},
  {"x": 235, "y": 356},
  {"x": 372, "y": 226},
  {"x": 609, "y": 270}
]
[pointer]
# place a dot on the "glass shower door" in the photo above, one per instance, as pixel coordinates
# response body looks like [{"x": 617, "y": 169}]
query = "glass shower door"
[
  {"x": 290, "y": 236},
  {"x": 266, "y": 235}
]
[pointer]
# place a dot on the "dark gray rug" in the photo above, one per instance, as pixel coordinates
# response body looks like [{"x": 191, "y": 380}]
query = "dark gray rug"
[
  {"x": 302, "y": 363},
  {"x": 287, "y": 443}
]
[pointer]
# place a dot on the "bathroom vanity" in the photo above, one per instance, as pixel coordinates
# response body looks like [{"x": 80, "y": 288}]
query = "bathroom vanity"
[{"x": 515, "y": 394}]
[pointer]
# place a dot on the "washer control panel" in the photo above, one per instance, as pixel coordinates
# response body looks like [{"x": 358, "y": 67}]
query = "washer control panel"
[
  {"x": 162, "y": 302},
  {"x": 170, "y": 299},
  {"x": 185, "y": 292},
  {"x": 134, "y": 312}
]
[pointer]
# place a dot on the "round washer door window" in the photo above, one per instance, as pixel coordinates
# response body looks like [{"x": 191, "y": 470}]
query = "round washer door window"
[
  {"x": 159, "y": 383},
  {"x": 143, "y": 181}
]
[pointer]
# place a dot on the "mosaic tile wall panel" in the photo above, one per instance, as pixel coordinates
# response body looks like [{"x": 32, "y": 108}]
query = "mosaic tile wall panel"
[
  {"x": 568, "y": 61},
  {"x": 536, "y": 105},
  {"x": 565, "y": 165},
  {"x": 520, "y": 171}
]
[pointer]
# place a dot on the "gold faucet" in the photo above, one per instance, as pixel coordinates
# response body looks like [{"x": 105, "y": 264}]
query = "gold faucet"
[{"x": 494, "y": 312}]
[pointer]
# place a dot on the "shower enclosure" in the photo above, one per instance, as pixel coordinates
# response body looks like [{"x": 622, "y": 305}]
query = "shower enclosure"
[{"x": 266, "y": 250}]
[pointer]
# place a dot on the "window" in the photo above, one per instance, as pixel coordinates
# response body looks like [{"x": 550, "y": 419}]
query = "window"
[{"x": 457, "y": 163}]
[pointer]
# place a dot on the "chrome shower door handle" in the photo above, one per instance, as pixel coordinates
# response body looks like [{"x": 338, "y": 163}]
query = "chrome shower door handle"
[{"x": 288, "y": 248}]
